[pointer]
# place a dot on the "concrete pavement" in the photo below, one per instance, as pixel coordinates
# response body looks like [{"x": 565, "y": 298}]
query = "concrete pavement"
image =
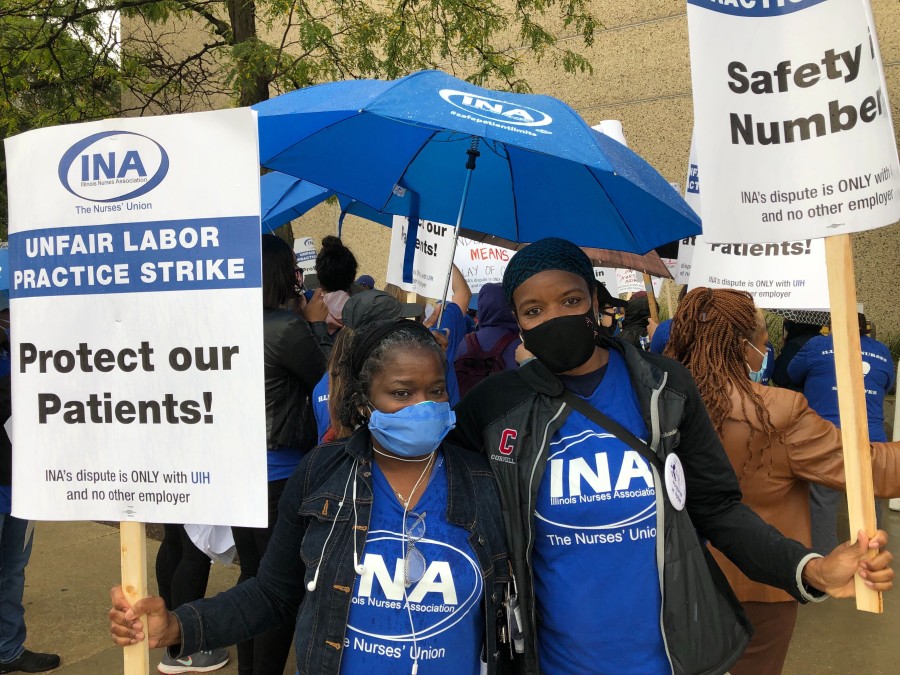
[{"x": 74, "y": 564}]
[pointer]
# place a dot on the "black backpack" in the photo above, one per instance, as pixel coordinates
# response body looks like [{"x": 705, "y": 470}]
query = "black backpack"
[{"x": 476, "y": 364}]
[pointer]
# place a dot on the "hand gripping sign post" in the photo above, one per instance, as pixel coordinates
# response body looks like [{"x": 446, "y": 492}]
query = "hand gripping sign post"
[
  {"x": 137, "y": 378},
  {"x": 794, "y": 130}
]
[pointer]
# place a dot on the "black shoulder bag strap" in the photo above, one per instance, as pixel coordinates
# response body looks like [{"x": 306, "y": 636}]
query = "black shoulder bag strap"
[{"x": 613, "y": 427}]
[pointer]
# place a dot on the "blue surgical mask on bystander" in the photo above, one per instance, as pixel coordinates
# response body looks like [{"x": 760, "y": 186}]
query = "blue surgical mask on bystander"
[{"x": 415, "y": 430}]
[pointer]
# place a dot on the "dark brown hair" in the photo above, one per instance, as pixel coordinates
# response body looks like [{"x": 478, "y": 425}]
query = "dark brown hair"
[
  {"x": 335, "y": 265},
  {"x": 279, "y": 271}
]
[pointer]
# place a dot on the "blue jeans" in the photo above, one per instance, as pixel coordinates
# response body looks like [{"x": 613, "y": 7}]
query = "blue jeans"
[{"x": 14, "y": 554}]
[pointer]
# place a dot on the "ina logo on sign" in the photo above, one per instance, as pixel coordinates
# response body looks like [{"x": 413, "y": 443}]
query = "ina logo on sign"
[
  {"x": 113, "y": 166},
  {"x": 496, "y": 109}
]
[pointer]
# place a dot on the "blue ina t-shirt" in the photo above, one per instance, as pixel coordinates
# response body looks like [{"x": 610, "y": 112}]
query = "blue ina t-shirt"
[
  {"x": 813, "y": 368},
  {"x": 445, "y": 605},
  {"x": 594, "y": 558},
  {"x": 661, "y": 337},
  {"x": 320, "y": 405}
]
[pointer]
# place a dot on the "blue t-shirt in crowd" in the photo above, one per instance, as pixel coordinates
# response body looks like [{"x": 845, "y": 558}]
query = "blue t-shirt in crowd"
[
  {"x": 661, "y": 337},
  {"x": 813, "y": 368},
  {"x": 320, "y": 406},
  {"x": 445, "y": 605},
  {"x": 281, "y": 462},
  {"x": 5, "y": 499},
  {"x": 452, "y": 319},
  {"x": 595, "y": 572}
]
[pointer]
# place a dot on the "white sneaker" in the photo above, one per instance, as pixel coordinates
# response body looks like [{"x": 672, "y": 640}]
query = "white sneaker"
[
  {"x": 894, "y": 504},
  {"x": 201, "y": 662}
]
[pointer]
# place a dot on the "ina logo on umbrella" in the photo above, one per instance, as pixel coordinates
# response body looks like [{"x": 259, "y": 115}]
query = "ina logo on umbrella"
[
  {"x": 495, "y": 109},
  {"x": 113, "y": 166}
]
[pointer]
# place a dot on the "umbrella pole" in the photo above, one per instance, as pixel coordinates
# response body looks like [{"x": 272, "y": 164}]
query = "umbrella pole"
[{"x": 473, "y": 154}]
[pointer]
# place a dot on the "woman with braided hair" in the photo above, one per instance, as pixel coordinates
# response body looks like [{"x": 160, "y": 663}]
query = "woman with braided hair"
[{"x": 776, "y": 443}]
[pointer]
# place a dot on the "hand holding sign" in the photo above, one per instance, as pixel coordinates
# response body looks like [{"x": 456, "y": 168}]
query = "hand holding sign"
[
  {"x": 834, "y": 573},
  {"x": 147, "y": 618}
]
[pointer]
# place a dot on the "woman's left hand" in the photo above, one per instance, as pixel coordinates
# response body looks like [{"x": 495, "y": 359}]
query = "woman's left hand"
[{"x": 834, "y": 573}]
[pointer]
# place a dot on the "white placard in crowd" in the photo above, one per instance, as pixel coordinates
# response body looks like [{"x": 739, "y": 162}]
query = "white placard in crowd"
[
  {"x": 305, "y": 252},
  {"x": 434, "y": 251},
  {"x": 792, "y": 120},
  {"x": 480, "y": 263},
  {"x": 629, "y": 281},
  {"x": 692, "y": 197},
  {"x": 613, "y": 129},
  {"x": 137, "y": 372},
  {"x": 682, "y": 272},
  {"x": 607, "y": 275},
  {"x": 671, "y": 265},
  {"x": 782, "y": 275}
]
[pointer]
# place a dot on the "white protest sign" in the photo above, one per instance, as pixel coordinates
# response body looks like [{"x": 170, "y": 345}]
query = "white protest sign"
[
  {"x": 305, "y": 252},
  {"x": 480, "y": 263},
  {"x": 792, "y": 120},
  {"x": 629, "y": 281},
  {"x": 137, "y": 396},
  {"x": 607, "y": 275},
  {"x": 692, "y": 197},
  {"x": 782, "y": 275},
  {"x": 671, "y": 265},
  {"x": 682, "y": 272},
  {"x": 613, "y": 129},
  {"x": 434, "y": 250}
]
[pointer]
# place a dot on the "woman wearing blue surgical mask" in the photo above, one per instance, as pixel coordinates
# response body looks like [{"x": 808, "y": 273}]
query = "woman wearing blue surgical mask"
[
  {"x": 391, "y": 544},
  {"x": 777, "y": 445}
]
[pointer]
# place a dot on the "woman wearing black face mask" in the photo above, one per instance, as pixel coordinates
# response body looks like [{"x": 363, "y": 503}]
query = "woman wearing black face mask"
[{"x": 608, "y": 467}]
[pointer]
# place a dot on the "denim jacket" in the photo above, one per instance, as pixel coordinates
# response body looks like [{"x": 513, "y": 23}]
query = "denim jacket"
[{"x": 307, "y": 513}]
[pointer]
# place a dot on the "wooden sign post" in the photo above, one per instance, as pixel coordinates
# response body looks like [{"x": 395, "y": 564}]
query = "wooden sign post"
[
  {"x": 852, "y": 401},
  {"x": 133, "y": 541},
  {"x": 651, "y": 298}
]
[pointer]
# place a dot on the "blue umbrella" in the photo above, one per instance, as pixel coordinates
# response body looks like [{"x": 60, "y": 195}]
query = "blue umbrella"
[
  {"x": 515, "y": 166},
  {"x": 284, "y": 198}
]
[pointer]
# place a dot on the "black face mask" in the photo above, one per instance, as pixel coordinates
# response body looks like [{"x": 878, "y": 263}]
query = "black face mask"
[
  {"x": 564, "y": 343},
  {"x": 611, "y": 328}
]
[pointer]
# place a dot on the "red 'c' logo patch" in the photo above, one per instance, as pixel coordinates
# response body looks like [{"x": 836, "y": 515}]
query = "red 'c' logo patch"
[{"x": 506, "y": 439}]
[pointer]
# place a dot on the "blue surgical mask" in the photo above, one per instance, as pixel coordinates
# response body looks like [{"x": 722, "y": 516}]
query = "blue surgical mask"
[
  {"x": 757, "y": 375},
  {"x": 415, "y": 430}
]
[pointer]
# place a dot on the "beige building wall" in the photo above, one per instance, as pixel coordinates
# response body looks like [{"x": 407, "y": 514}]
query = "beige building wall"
[{"x": 641, "y": 75}]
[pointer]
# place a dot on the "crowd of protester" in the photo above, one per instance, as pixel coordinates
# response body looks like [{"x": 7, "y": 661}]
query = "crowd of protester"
[{"x": 557, "y": 491}]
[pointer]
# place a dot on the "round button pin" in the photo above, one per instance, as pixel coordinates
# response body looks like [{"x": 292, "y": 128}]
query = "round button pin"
[{"x": 675, "y": 483}]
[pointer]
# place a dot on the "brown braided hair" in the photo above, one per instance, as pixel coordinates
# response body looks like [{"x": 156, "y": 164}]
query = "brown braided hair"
[{"x": 709, "y": 332}]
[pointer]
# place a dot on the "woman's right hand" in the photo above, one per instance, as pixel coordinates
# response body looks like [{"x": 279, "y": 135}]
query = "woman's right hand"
[
  {"x": 523, "y": 355},
  {"x": 127, "y": 628},
  {"x": 315, "y": 309}
]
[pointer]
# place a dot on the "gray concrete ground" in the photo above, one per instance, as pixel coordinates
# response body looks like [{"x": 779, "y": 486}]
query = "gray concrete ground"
[{"x": 74, "y": 564}]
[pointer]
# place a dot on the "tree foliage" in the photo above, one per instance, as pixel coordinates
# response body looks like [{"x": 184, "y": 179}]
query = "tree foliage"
[
  {"x": 57, "y": 65},
  {"x": 63, "y": 61},
  {"x": 249, "y": 49}
]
